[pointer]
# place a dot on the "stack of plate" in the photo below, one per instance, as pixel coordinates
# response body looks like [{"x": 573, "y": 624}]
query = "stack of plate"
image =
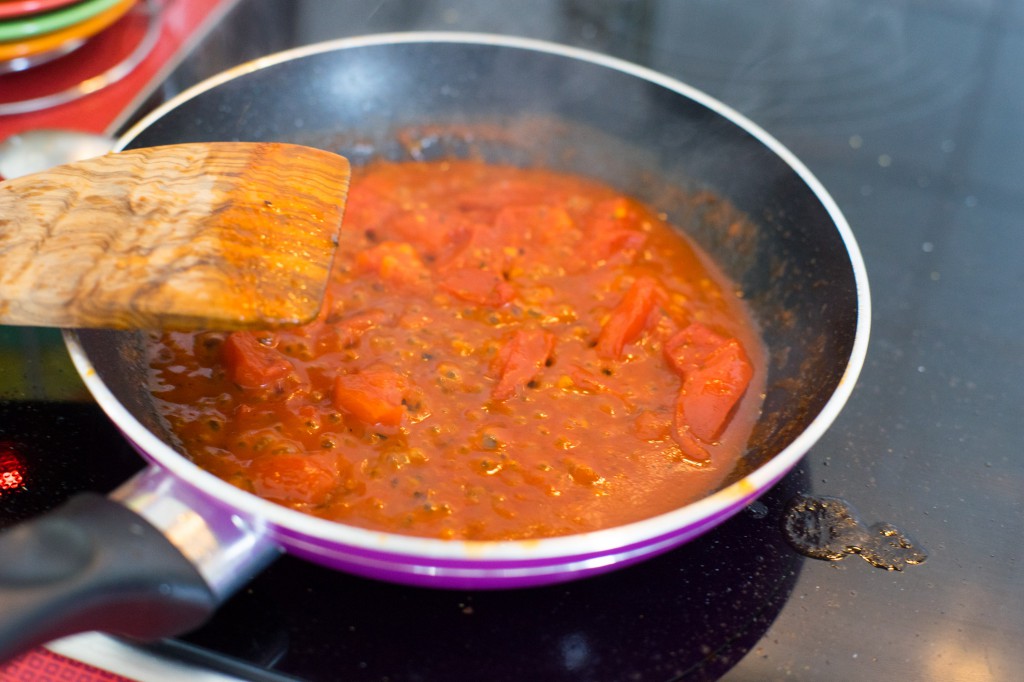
[{"x": 37, "y": 31}]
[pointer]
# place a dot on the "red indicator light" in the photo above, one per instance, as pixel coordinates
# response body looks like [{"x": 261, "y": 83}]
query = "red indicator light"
[{"x": 12, "y": 469}]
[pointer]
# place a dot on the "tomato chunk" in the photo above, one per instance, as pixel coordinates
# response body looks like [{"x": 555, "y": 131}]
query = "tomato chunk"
[
  {"x": 689, "y": 348},
  {"x": 716, "y": 373},
  {"x": 477, "y": 285},
  {"x": 481, "y": 248},
  {"x": 629, "y": 318},
  {"x": 295, "y": 477},
  {"x": 395, "y": 262},
  {"x": 431, "y": 231},
  {"x": 349, "y": 330},
  {"x": 613, "y": 231},
  {"x": 251, "y": 364},
  {"x": 521, "y": 359},
  {"x": 373, "y": 396},
  {"x": 710, "y": 393},
  {"x": 615, "y": 243},
  {"x": 692, "y": 447}
]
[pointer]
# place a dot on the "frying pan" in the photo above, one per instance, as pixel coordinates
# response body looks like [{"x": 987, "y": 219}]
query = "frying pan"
[{"x": 156, "y": 557}]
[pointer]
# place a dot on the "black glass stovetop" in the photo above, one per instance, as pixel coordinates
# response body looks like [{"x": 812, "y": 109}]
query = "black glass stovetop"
[{"x": 911, "y": 115}]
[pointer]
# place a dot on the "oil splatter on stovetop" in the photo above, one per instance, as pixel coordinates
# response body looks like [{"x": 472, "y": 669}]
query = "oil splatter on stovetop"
[{"x": 829, "y": 528}]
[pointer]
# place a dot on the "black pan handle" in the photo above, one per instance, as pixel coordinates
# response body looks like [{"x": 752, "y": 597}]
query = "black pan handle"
[{"x": 93, "y": 564}]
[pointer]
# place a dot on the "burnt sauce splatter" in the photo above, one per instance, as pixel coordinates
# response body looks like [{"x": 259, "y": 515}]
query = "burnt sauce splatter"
[{"x": 829, "y": 528}]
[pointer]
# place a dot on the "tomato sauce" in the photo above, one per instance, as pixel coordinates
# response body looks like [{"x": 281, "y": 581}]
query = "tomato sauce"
[{"x": 503, "y": 353}]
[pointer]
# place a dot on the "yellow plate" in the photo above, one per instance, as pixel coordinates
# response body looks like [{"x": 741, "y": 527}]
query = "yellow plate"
[{"x": 51, "y": 41}]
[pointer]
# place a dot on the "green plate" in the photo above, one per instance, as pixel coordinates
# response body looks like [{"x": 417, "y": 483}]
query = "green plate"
[{"x": 48, "y": 22}]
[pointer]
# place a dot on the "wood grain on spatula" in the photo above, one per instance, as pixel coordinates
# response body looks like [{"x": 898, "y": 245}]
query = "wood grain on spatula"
[{"x": 222, "y": 235}]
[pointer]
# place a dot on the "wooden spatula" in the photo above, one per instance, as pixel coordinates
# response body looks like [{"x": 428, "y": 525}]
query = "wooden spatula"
[{"x": 224, "y": 235}]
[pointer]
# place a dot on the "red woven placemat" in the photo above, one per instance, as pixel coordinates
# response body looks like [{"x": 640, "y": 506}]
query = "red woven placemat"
[{"x": 42, "y": 665}]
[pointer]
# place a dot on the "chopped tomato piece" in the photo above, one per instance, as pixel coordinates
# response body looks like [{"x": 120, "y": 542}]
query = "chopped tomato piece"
[
  {"x": 521, "y": 359},
  {"x": 432, "y": 230},
  {"x": 373, "y": 396},
  {"x": 477, "y": 285},
  {"x": 482, "y": 248},
  {"x": 614, "y": 230},
  {"x": 715, "y": 372},
  {"x": 629, "y": 318},
  {"x": 710, "y": 393},
  {"x": 251, "y": 364},
  {"x": 692, "y": 447},
  {"x": 349, "y": 330},
  {"x": 587, "y": 381},
  {"x": 328, "y": 334},
  {"x": 606, "y": 246},
  {"x": 395, "y": 262},
  {"x": 690, "y": 347},
  {"x": 295, "y": 477}
]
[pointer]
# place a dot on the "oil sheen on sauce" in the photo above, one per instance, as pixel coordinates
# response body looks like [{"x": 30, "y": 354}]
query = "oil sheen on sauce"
[{"x": 503, "y": 353}]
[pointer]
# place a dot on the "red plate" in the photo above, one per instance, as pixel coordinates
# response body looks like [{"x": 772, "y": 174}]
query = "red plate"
[
  {"x": 108, "y": 57},
  {"x": 17, "y": 8}
]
